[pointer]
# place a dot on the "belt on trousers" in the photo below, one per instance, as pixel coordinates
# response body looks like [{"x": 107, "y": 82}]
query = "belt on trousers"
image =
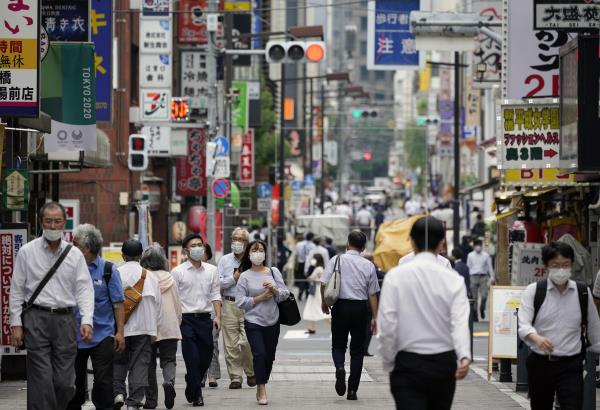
[
  {"x": 203, "y": 315},
  {"x": 551, "y": 358},
  {"x": 229, "y": 298},
  {"x": 58, "y": 311}
]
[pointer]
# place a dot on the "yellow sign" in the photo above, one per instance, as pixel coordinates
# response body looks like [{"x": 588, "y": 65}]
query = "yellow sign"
[
  {"x": 112, "y": 254},
  {"x": 424, "y": 79},
  {"x": 237, "y": 5},
  {"x": 541, "y": 176}
]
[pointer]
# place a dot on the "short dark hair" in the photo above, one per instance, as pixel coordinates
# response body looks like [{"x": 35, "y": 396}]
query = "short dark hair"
[
  {"x": 477, "y": 242},
  {"x": 53, "y": 205},
  {"x": 132, "y": 249},
  {"x": 329, "y": 241},
  {"x": 309, "y": 236},
  {"x": 457, "y": 253},
  {"x": 357, "y": 239},
  {"x": 554, "y": 249},
  {"x": 189, "y": 237},
  {"x": 427, "y": 233}
]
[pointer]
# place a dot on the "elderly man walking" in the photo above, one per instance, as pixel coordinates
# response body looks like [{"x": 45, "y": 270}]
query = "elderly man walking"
[
  {"x": 50, "y": 278},
  {"x": 109, "y": 320}
]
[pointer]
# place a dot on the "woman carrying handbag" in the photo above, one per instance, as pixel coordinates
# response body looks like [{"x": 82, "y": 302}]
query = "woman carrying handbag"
[
  {"x": 312, "y": 310},
  {"x": 259, "y": 290}
]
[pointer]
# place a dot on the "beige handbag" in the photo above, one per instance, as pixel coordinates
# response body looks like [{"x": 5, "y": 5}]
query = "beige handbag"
[{"x": 332, "y": 289}]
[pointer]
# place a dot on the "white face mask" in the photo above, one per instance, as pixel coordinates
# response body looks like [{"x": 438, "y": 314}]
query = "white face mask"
[
  {"x": 238, "y": 247},
  {"x": 559, "y": 276},
  {"x": 478, "y": 249},
  {"x": 196, "y": 253},
  {"x": 52, "y": 234},
  {"x": 313, "y": 262},
  {"x": 257, "y": 258}
]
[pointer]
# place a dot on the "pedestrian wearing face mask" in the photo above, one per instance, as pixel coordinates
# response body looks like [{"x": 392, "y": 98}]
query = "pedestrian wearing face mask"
[
  {"x": 481, "y": 270},
  {"x": 199, "y": 291},
  {"x": 553, "y": 315},
  {"x": 312, "y": 310},
  {"x": 259, "y": 290},
  {"x": 238, "y": 356}
]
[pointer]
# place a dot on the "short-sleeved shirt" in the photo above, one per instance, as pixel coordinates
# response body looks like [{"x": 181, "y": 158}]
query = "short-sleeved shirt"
[
  {"x": 358, "y": 276},
  {"x": 104, "y": 297},
  {"x": 227, "y": 265}
]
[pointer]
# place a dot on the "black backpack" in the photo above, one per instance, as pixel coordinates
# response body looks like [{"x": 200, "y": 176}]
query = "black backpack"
[
  {"x": 541, "y": 289},
  {"x": 106, "y": 276}
]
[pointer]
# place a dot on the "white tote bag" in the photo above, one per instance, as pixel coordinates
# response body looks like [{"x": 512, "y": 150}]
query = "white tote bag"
[{"x": 332, "y": 289}]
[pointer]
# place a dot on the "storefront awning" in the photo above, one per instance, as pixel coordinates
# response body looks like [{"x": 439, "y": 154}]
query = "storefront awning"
[{"x": 483, "y": 186}]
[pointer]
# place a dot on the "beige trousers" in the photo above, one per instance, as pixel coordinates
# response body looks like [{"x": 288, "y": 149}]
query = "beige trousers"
[{"x": 238, "y": 355}]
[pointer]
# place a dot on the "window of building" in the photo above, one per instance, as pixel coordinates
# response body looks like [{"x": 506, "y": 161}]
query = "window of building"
[
  {"x": 363, "y": 48},
  {"x": 364, "y": 74},
  {"x": 380, "y": 75},
  {"x": 380, "y": 96},
  {"x": 363, "y": 23}
]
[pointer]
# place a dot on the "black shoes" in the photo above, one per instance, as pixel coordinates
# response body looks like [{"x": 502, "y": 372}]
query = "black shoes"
[
  {"x": 188, "y": 391},
  {"x": 213, "y": 384},
  {"x": 198, "y": 403},
  {"x": 340, "y": 382},
  {"x": 251, "y": 381},
  {"x": 235, "y": 385},
  {"x": 310, "y": 332},
  {"x": 169, "y": 395},
  {"x": 352, "y": 395}
]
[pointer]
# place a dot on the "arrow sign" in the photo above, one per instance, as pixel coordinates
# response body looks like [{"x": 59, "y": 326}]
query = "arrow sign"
[{"x": 550, "y": 153}]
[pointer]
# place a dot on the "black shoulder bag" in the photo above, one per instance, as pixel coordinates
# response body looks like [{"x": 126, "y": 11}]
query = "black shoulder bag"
[
  {"x": 27, "y": 305},
  {"x": 289, "y": 314}
]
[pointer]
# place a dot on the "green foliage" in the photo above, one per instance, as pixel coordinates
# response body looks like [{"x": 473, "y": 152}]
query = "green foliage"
[
  {"x": 267, "y": 141},
  {"x": 415, "y": 147},
  {"x": 422, "y": 106}
]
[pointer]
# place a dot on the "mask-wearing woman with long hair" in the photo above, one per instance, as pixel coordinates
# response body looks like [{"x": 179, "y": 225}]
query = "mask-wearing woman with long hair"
[
  {"x": 258, "y": 291},
  {"x": 312, "y": 310}
]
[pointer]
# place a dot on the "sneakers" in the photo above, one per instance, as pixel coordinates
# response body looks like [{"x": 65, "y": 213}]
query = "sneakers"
[
  {"x": 119, "y": 401},
  {"x": 340, "y": 382},
  {"x": 169, "y": 395}
]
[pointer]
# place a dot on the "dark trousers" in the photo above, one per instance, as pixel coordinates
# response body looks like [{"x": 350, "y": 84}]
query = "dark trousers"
[
  {"x": 263, "y": 342},
  {"x": 301, "y": 281},
  {"x": 424, "y": 382},
  {"x": 349, "y": 317},
  {"x": 102, "y": 356},
  {"x": 197, "y": 349},
  {"x": 369, "y": 334},
  {"x": 547, "y": 378},
  {"x": 167, "y": 351}
]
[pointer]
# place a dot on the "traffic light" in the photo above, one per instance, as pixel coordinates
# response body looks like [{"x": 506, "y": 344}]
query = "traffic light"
[
  {"x": 138, "y": 152},
  {"x": 357, "y": 114},
  {"x": 295, "y": 51},
  {"x": 424, "y": 121}
]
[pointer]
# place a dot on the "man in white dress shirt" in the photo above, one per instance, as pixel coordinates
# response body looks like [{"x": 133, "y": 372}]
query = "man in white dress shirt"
[
  {"x": 317, "y": 249},
  {"x": 48, "y": 326},
  {"x": 440, "y": 259},
  {"x": 140, "y": 328},
  {"x": 482, "y": 274},
  {"x": 554, "y": 332},
  {"x": 200, "y": 294},
  {"x": 424, "y": 324}
]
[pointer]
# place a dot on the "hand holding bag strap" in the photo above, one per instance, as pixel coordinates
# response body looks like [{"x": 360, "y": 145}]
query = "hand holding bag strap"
[{"x": 48, "y": 276}]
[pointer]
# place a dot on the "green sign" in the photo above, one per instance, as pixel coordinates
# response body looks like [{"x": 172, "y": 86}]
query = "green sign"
[
  {"x": 15, "y": 190},
  {"x": 239, "y": 114}
]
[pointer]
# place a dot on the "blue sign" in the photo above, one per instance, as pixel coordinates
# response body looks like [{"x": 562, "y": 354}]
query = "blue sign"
[
  {"x": 264, "y": 190},
  {"x": 222, "y": 149},
  {"x": 66, "y": 20},
  {"x": 309, "y": 180},
  {"x": 391, "y": 45},
  {"x": 297, "y": 186},
  {"x": 101, "y": 23}
]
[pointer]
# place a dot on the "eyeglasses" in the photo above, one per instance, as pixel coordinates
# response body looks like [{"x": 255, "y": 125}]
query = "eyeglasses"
[
  {"x": 238, "y": 239},
  {"x": 559, "y": 266},
  {"x": 49, "y": 221}
]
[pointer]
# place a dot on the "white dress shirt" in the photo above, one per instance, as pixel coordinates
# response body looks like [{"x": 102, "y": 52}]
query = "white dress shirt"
[
  {"x": 480, "y": 264},
  {"x": 71, "y": 284},
  {"x": 358, "y": 278},
  {"x": 441, "y": 260},
  {"x": 198, "y": 288},
  {"x": 144, "y": 319},
  {"x": 303, "y": 248},
  {"x": 227, "y": 265},
  {"x": 559, "y": 319},
  {"x": 423, "y": 310},
  {"x": 316, "y": 250}
]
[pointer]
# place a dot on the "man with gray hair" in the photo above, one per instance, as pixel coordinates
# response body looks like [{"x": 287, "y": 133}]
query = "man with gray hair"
[
  {"x": 109, "y": 322},
  {"x": 238, "y": 355}
]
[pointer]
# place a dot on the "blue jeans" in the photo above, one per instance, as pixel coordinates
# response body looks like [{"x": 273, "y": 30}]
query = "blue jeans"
[
  {"x": 263, "y": 342},
  {"x": 197, "y": 349}
]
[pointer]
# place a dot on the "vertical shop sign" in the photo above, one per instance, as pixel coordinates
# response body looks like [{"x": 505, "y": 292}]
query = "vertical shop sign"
[
  {"x": 193, "y": 79},
  {"x": 239, "y": 114},
  {"x": 12, "y": 239},
  {"x": 101, "y": 27},
  {"x": 155, "y": 36},
  {"x": 155, "y": 70},
  {"x": 66, "y": 20},
  {"x": 159, "y": 140},
  {"x": 19, "y": 58},
  {"x": 155, "y": 104},
  {"x": 191, "y": 170},
  {"x": 488, "y": 53},
  {"x": 247, "y": 159},
  {"x": 156, "y": 7},
  {"x": 15, "y": 190}
]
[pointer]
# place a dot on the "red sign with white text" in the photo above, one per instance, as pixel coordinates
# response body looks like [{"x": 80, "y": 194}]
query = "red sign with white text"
[
  {"x": 247, "y": 159},
  {"x": 11, "y": 240},
  {"x": 191, "y": 27},
  {"x": 191, "y": 170}
]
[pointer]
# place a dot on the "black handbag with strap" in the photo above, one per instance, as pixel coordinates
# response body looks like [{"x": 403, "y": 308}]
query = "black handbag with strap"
[
  {"x": 27, "y": 305},
  {"x": 289, "y": 314}
]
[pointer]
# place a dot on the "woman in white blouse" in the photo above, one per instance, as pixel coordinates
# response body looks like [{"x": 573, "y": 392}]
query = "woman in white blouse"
[{"x": 312, "y": 310}]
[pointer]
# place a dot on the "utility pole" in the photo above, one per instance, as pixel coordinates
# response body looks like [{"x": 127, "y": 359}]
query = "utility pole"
[
  {"x": 456, "y": 205},
  {"x": 323, "y": 165},
  {"x": 281, "y": 233},
  {"x": 212, "y": 119}
]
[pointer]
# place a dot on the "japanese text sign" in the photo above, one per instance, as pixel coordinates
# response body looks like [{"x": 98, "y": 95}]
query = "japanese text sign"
[
  {"x": 19, "y": 58},
  {"x": 247, "y": 159},
  {"x": 191, "y": 170},
  {"x": 530, "y": 136},
  {"x": 156, "y": 7},
  {"x": 530, "y": 66},
  {"x": 12, "y": 238},
  {"x": 155, "y": 36},
  {"x": 159, "y": 140},
  {"x": 66, "y": 20},
  {"x": 101, "y": 24},
  {"x": 239, "y": 114},
  {"x": 391, "y": 45},
  {"x": 193, "y": 79},
  {"x": 155, "y": 70},
  {"x": 573, "y": 15},
  {"x": 487, "y": 51},
  {"x": 527, "y": 265}
]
